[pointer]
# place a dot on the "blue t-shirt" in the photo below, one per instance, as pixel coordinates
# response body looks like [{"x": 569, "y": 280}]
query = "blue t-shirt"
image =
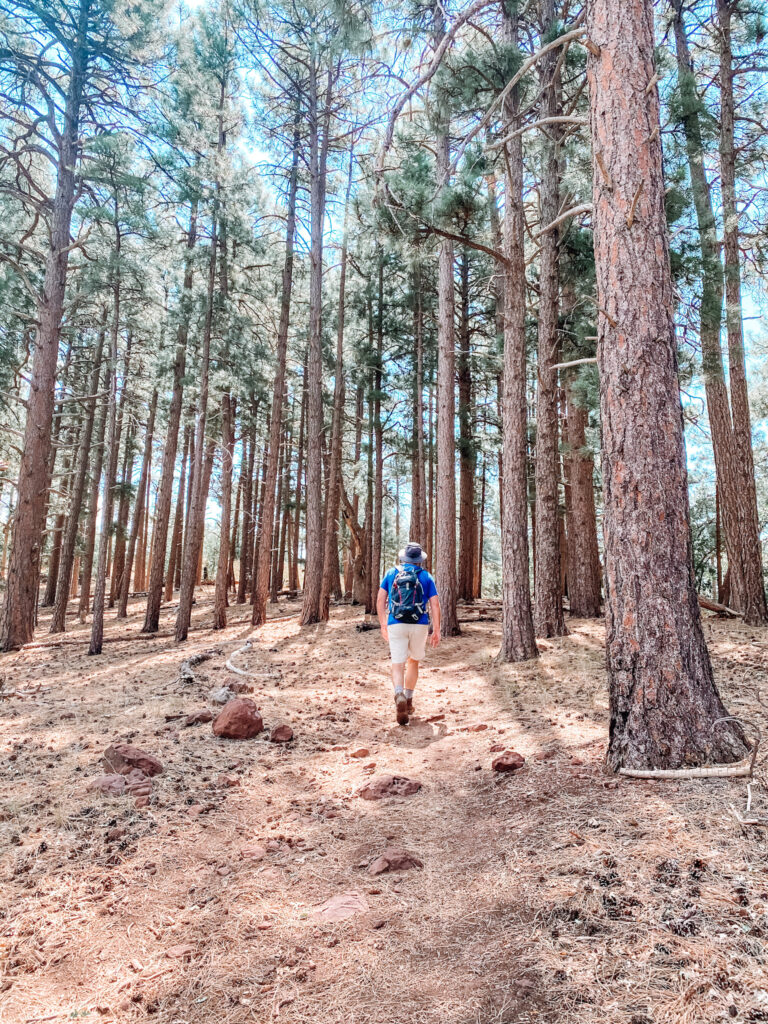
[{"x": 428, "y": 586}]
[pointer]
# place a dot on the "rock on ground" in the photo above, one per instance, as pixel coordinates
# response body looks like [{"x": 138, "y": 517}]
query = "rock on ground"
[
  {"x": 389, "y": 785},
  {"x": 339, "y": 908},
  {"x": 238, "y": 720},
  {"x": 124, "y": 757},
  {"x": 509, "y": 761},
  {"x": 394, "y": 858},
  {"x": 281, "y": 734}
]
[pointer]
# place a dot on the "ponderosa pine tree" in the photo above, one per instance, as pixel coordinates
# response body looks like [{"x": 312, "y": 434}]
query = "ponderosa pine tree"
[
  {"x": 664, "y": 705},
  {"x": 52, "y": 103},
  {"x": 518, "y": 641}
]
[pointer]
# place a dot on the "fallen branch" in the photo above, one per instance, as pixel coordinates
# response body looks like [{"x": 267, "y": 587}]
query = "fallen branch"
[
  {"x": 741, "y": 769},
  {"x": 233, "y": 668},
  {"x": 713, "y": 606},
  {"x": 186, "y": 675},
  {"x": 713, "y": 771}
]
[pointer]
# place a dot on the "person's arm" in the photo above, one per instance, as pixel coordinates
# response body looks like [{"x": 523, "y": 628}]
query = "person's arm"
[
  {"x": 382, "y": 609},
  {"x": 434, "y": 611}
]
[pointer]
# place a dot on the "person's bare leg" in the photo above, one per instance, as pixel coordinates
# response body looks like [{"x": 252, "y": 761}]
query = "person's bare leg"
[
  {"x": 401, "y": 704},
  {"x": 398, "y": 674},
  {"x": 411, "y": 678}
]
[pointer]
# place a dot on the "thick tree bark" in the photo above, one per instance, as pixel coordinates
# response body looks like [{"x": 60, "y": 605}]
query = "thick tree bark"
[
  {"x": 663, "y": 701},
  {"x": 582, "y": 546},
  {"x": 69, "y": 541},
  {"x": 227, "y": 459},
  {"x": 319, "y": 142},
  {"x": 261, "y": 582},
  {"x": 518, "y": 642},
  {"x": 17, "y": 623},
  {"x": 445, "y": 577},
  {"x": 466, "y": 445},
  {"x": 165, "y": 493},
  {"x": 140, "y": 511},
  {"x": 752, "y": 596},
  {"x": 548, "y": 601}
]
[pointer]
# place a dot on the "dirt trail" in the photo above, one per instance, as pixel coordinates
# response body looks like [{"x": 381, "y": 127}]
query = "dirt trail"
[{"x": 556, "y": 894}]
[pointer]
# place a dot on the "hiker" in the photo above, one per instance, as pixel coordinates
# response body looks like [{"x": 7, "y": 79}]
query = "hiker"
[{"x": 407, "y": 597}]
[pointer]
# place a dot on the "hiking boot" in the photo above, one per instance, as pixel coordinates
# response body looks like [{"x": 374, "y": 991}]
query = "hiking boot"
[
  {"x": 401, "y": 707},
  {"x": 409, "y": 705}
]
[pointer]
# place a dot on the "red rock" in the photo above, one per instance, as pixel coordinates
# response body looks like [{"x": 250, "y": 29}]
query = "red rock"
[
  {"x": 394, "y": 858},
  {"x": 576, "y": 761},
  {"x": 238, "y": 720},
  {"x": 198, "y": 718},
  {"x": 480, "y": 727},
  {"x": 281, "y": 734},
  {"x": 436, "y": 718},
  {"x": 389, "y": 785},
  {"x": 509, "y": 761},
  {"x": 227, "y": 780},
  {"x": 361, "y": 752},
  {"x": 497, "y": 747},
  {"x": 107, "y": 785},
  {"x": 124, "y": 757},
  {"x": 339, "y": 908},
  {"x": 273, "y": 846}
]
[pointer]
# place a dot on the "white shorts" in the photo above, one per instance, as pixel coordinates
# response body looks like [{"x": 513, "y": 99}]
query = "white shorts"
[{"x": 407, "y": 640}]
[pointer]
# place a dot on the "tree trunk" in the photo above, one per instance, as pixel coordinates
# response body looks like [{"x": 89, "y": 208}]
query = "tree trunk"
[
  {"x": 121, "y": 526},
  {"x": 331, "y": 551},
  {"x": 753, "y": 604},
  {"x": 69, "y": 540},
  {"x": 93, "y": 509},
  {"x": 97, "y": 626},
  {"x": 294, "y": 582},
  {"x": 446, "y": 397},
  {"x": 466, "y": 445},
  {"x": 140, "y": 511},
  {"x": 196, "y": 515},
  {"x": 418, "y": 528},
  {"x": 227, "y": 459},
  {"x": 246, "y": 533},
  {"x": 723, "y": 441},
  {"x": 165, "y": 493},
  {"x": 261, "y": 582},
  {"x": 517, "y": 636},
  {"x": 17, "y": 624},
  {"x": 583, "y": 554},
  {"x": 233, "y": 536},
  {"x": 319, "y": 141},
  {"x": 548, "y": 603},
  {"x": 664, "y": 705},
  {"x": 378, "y": 441},
  {"x": 178, "y": 522}
]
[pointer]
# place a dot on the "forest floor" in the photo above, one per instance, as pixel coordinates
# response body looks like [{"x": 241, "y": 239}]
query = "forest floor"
[{"x": 554, "y": 894}]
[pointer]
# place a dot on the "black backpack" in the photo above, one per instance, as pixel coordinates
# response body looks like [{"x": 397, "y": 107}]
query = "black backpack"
[{"x": 406, "y": 595}]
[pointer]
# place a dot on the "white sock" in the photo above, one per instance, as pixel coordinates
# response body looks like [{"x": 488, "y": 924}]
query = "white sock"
[{"x": 409, "y": 694}]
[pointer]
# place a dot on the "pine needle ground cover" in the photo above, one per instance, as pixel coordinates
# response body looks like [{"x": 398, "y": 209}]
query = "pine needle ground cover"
[{"x": 554, "y": 894}]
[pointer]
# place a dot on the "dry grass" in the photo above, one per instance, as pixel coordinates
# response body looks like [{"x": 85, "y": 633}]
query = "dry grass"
[{"x": 558, "y": 895}]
